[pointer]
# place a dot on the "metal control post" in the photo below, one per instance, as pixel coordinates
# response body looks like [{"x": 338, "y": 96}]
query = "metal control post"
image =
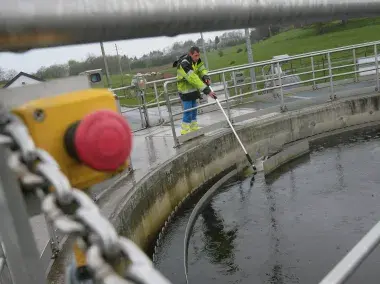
[{"x": 21, "y": 251}]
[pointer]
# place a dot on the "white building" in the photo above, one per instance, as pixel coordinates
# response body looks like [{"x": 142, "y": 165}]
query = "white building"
[{"x": 22, "y": 79}]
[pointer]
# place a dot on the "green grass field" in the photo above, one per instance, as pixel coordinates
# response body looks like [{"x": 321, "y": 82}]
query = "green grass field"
[{"x": 292, "y": 42}]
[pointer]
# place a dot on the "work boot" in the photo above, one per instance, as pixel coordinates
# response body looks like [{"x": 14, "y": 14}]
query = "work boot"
[
  {"x": 185, "y": 128},
  {"x": 194, "y": 126}
]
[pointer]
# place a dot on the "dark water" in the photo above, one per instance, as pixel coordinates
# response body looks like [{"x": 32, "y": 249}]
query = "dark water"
[{"x": 291, "y": 227}]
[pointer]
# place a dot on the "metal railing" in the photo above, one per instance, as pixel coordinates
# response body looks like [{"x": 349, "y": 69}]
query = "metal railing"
[
  {"x": 155, "y": 90},
  {"x": 348, "y": 69}
]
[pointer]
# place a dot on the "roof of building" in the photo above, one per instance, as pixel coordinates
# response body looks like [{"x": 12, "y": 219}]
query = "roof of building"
[{"x": 22, "y": 74}]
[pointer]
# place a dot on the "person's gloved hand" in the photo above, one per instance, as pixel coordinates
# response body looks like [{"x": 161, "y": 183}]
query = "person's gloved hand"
[
  {"x": 213, "y": 95},
  {"x": 210, "y": 93}
]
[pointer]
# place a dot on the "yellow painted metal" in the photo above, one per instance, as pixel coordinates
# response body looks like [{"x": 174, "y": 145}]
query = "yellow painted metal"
[{"x": 54, "y": 116}]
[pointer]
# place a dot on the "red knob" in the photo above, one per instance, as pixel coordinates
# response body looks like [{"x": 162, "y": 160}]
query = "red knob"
[{"x": 102, "y": 140}]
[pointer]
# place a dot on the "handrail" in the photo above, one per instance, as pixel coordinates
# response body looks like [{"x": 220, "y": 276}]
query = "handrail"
[
  {"x": 348, "y": 265},
  {"x": 272, "y": 61},
  {"x": 43, "y": 23}
]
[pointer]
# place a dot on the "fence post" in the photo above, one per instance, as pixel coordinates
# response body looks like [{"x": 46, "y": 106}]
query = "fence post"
[
  {"x": 331, "y": 76},
  {"x": 377, "y": 68},
  {"x": 16, "y": 233},
  {"x": 168, "y": 105},
  {"x": 227, "y": 96},
  {"x": 234, "y": 79},
  {"x": 355, "y": 66},
  {"x": 158, "y": 101},
  {"x": 54, "y": 239},
  {"x": 283, "y": 108},
  {"x": 313, "y": 72},
  {"x": 5, "y": 275},
  {"x": 145, "y": 109}
]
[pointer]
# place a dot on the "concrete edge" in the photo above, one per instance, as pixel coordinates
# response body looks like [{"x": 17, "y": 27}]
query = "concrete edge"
[
  {"x": 289, "y": 153},
  {"x": 258, "y": 147},
  {"x": 198, "y": 207}
]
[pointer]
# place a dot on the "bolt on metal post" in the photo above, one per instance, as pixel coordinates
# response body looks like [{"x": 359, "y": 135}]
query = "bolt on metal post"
[
  {"x": 331, "y": 76},
  {"x": 168, "y": 105},
  {"x": 377, "y": 69}
]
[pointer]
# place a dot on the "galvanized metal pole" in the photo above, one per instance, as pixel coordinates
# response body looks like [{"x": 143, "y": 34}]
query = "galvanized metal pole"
[
  {"x": 168, "y": 105},
  {"x": 377, "y": 69},
  {"x": 109, "y": 83},
  {"x": 5, "y": 274},
  {"x": 250, "y": 58},
  {"x": 227, "y": 96},
  {"x": 331, "y": 76},
  {"x": 120, "y": 69},
  {"x": 313, "y": 72},
  {"x": 204, "y": 51},
  {"x": 158, "y": 101},
  {"x": 281, "y": 90},
  {"x": 355, "y": 65},
  {"x": 16, "y": 233},
  {"x": 97, "y": 20}
]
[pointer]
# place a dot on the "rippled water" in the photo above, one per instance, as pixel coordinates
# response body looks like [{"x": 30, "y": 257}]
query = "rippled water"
[{"x": 291, "y": 227}]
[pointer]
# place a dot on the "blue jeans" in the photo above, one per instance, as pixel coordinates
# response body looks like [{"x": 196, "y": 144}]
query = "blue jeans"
[{"x": 189, "y": 116}]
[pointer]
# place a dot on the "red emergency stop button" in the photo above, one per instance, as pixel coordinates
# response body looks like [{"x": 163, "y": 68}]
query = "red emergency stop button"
[{"x": 102, "y": 140}]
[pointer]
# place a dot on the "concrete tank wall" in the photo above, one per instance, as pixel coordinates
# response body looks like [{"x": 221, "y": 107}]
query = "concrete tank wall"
[{"x": 143, "y": 212}]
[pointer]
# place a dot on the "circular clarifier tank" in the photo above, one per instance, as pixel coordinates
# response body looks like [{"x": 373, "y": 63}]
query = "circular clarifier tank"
[{"x": 292, "y": 226}]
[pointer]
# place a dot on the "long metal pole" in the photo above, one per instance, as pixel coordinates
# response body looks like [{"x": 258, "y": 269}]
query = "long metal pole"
[
  {"x": 250, "y": 58},
  {"x": 237, "y": 137},
  {"x": 109, "y": 83},
  {"x": 204, "y": 51}
]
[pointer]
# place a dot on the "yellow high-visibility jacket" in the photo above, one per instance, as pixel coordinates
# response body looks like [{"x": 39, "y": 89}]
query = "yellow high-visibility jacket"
[{"x": 190, "y": 78}]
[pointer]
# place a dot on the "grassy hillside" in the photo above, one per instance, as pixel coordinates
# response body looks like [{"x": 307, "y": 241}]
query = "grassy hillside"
[
  {"x": 294, "y": 41},
  {"x": 302, "y": 40}
]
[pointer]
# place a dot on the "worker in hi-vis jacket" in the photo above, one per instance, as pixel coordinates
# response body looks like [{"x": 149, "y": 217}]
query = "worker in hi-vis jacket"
[{"x": 192, "y": 80}]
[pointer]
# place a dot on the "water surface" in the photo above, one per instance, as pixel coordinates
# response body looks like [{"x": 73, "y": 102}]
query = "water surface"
[{"x": 291, "y": 227}]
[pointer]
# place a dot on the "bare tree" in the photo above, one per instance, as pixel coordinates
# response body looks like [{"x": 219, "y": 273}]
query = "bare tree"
[{"x": 10, "y": 74}]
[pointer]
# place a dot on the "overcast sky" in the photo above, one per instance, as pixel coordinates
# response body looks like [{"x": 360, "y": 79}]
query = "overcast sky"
[{"x": 31, "y": 61}]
